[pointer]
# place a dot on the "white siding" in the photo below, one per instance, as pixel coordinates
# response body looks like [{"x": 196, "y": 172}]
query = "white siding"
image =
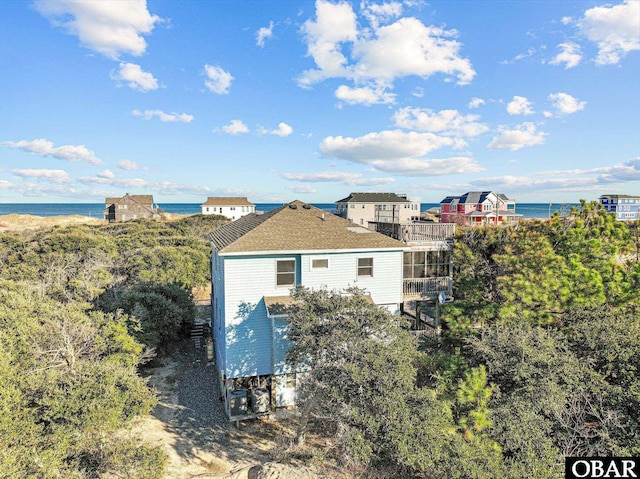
[{"x": 231, "y": 212}]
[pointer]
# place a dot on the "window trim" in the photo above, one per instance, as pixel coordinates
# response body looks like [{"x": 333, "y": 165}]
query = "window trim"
[
  {"x": 365, "y": 267},
  {"x": 278, "y": 274},
  {"x": 319, "y": 268}
]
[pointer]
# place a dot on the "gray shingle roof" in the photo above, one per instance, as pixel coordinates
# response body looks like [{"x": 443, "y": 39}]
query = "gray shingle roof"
[
  {"x": 227, "y": 201},
  {"x": 146, "y": 200},
  {"x": 296, "y": 227},
  {"x": 374, "y": 198},
  {"x": 474, "y": 197}
]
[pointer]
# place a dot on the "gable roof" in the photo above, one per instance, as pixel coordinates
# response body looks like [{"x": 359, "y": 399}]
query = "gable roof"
[
  {"x": 474, "y": 197},
  {"x": 227, "y": 201},
  {"x": 374, "y": 198},
  {"x": 145, "y": 200},
  {"x": 296, "y": 226}
]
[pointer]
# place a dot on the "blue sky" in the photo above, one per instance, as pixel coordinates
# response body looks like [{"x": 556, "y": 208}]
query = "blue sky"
[{"x": 283, "y": 100}]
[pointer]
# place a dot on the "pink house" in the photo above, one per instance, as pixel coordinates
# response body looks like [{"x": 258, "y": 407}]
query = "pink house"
[{"x": 478, "y": 208}]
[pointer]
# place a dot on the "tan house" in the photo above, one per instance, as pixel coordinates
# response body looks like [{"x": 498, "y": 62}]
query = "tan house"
[
  {"x": 130, "y": 207},
  {"x": 364, "y": 209},
  {"x": 233, "y": 207}
]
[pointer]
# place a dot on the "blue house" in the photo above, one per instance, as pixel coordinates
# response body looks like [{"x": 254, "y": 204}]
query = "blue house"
[
  {"x": 626, "y": 208},
  {"x": 256, "y": 261}
]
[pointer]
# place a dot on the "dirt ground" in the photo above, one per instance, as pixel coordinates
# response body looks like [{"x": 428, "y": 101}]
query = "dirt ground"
[{"x": 190, "y": 425}]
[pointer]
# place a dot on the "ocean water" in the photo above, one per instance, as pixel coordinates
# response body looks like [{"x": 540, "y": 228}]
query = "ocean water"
[{"x": 96, "y": 210}]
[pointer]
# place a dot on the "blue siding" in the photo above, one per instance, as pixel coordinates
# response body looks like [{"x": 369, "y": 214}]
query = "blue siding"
[{"x": 255, "y": 344}]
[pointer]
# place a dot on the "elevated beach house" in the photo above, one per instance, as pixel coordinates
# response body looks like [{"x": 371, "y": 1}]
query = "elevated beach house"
[
  {"x": 478, "y": 208},
  {"x": 626, "y": 207},
  {"x": 130, "y": 207},
  {"x": 233, "y": 207},
  {"x": 256, "y": 261},
  {"x": 365, "y": 208}
]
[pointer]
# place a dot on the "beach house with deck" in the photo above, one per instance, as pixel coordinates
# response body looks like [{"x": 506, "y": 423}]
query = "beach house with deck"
[
  {"x": 366, "y": 208},
  {"x": 478, "y": 208},
  {"x": 256, "y": 261}
]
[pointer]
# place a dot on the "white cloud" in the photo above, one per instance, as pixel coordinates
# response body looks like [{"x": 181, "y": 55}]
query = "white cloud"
[
  {"x": 282, "y": 131},
  {"x": 106, "y": 174},
  {"x": 129, "y": 165},
  {"x": 428, "y": 167},
  {"x": 476, "y": 102},
  {"x": 235, "y": 127},
  {"x": 381, "y": 13},
  {"x": 162, "y": 116},
  {"x": 520, "y": 56},
  {"x": 302, "y": 189},
  {"x": 519, "y": 137},
  {"x": 353, "y": 179},
  {"x": 446, "y": 122},
  {"x": 519, "y": 106},
  {"x": 380, "y": 54},
  {"x": 109, "y": 28},
  {"x": 158, "y": 187},
  {"x": 628, "y": 171},
  {"x": 398, "y": 152},
  {"x": 131, "y": 183},
  {"x": 384, "y": 145},
  {"x": 614, "y": 29},
  {"x": 51, "y": 176},
  {"x": 408, "y": 47},
  {"x": 264, "y": 33},
  {"x": 135, "y": 78},
  {"x": 219, "y": 81},
  {"x": 565, "y": 104},
  {"x": 42, "y": 147},
  {"x": 567, "y": 180},
  {"x": 570, "y": 55},
  {"x": 364, "y": 96},
  {"x": 335, "y": 24}
]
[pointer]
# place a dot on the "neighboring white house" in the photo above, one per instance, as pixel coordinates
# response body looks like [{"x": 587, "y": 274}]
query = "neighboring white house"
[
  {"x": 255, "y": 263},
  {"x": 365, "y": 208},
  {"x": 233, "y": 207}
]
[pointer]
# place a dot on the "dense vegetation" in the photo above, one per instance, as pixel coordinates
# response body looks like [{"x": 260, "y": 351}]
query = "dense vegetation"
[
  {"x": 80, "y": 309},
  {"x": 539, "y": 359}
]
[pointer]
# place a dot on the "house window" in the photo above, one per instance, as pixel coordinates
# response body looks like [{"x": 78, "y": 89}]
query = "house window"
[
  {"x": 365, "y": 267},
  {"x": 290, "y": 380},
  {"x": 320, "y": 263},
  {"x": 286, "y": 272}
]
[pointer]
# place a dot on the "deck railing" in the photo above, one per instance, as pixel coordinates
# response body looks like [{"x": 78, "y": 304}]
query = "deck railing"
[
  {"x": 417, "y": 232},
  {"x": 420, "y": 287}
]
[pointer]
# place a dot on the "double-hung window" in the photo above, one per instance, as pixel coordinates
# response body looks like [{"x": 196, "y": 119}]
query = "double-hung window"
[
  {"x": 365, "y": 267},
  {"x": 286, "y": 272}
]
